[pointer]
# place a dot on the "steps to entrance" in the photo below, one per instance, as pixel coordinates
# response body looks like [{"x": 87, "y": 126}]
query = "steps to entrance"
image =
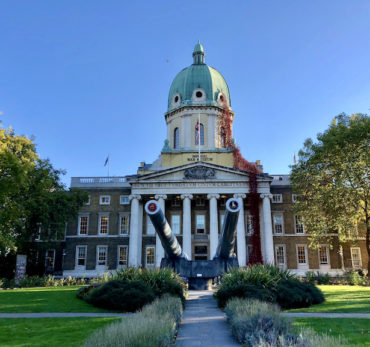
[{"x": 203, "y": 323}]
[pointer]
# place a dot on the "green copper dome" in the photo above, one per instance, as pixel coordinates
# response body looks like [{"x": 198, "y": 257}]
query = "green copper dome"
[{"x": 198, "y": 84}]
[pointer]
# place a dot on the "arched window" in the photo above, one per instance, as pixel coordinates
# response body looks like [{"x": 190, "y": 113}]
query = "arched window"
[
  {"x": 223, "y": 137},
  {"x": 176, "y": 138},
  {"x": 199, "y": 133}
]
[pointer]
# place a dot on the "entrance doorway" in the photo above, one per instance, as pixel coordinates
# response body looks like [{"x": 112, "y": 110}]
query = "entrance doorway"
[{"x": 201, "y": 252}]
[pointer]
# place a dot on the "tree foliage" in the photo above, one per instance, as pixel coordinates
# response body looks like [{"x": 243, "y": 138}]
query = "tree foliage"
[
  {"x": 32, "y": 197},
  {"x": 331, "y": 180}
]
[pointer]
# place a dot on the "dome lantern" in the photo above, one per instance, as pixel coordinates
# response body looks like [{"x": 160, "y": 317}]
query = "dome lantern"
[{"x": 198, "y": 54}]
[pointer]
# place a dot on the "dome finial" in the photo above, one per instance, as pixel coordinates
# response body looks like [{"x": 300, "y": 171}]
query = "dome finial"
[{"x": 198, "y": 54}]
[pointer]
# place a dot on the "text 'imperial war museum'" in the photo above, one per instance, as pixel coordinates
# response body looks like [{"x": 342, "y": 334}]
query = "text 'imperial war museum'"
[{"x": 195, "y": 174}]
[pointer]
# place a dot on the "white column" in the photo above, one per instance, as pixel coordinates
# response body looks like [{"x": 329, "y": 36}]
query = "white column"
[
  {"x": 134, "y": 252},
  {"x": 267, "y": 228},
  {"x": 240, "y": 233},
  {"x": 159, "y": 251},
  {"x": 186, "y": 223},
  {"x": 213, "y": 230}
]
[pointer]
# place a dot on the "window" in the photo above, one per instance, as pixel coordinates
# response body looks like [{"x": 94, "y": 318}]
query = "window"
[
  {"x": 201, "y": 252},
  {"x": 278, "y": 223},
  {"x": 249, "y": 225},
  {"x": 302, "y": 255},
  {"x": 324, "y": 255},
  {"x": 83, "y": 224},
  {"x": 50, "y": 259},
  {"x": 149, "y": 226},
  {"x": 175, "y": 224},
  {"x": 199, "y": 134},
  {"x": 200, "y": 201},
  {"x": 294, "y": 197},
  {"x": 103, "y": 224},
  {"x": 122, "y": 256},
  {"x": 356, "y": 257},
  {"x": 81, "y": 256},
  {"x": 176, "y": 138},
  {"x": 124, "y": 200},
  {"x": 249, "y": 252},
  {"x": 104, "y": 199},
  {"x": 299, "y": 226},
  {"x": 150, "y": 256},
  {"x": 124, "y": 224},
  {"x": 38, "y": 233},
  {"x": 175, "y": 202},
  {"x": 280, "y": 256},
  {"x": 223, "y": 137},
  {"x": 277, "y": 198},
  {"x": 200, "y": 224},
  {"x": 88, "y": 201},
  {"x": 101, "y": 255}
]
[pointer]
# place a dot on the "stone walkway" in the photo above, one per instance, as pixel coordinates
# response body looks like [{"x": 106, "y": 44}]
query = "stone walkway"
[{"x": 203, "y": 323}]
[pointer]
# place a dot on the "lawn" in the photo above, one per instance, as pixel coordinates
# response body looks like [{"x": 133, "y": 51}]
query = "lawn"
[
  {"x": 38, "y": 332},
  {"x": 356, "y": 331},
  {"x": 50, "y": 299},
  {"x": 342, "y": 299}
]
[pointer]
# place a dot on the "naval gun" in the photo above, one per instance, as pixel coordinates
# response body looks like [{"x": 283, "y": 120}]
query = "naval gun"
[{"x": 199, "y": 273}]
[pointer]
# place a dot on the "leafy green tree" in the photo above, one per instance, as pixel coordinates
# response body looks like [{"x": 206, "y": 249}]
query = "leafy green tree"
[
  {"x": 331, "y": 180},
  {"x": 32, "y": 197}
]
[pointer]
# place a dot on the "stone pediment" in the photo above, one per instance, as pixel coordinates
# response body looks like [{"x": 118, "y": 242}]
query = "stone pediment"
[{"x": 194, "y": 172}]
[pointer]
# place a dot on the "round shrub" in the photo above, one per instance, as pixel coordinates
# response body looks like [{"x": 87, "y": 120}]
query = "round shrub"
[
  {"x": 292, "y": 293},
  {"x": 128, "y": 296}
]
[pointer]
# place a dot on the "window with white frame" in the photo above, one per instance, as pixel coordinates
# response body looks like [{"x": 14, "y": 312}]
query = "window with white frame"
[
  {"x": 150, "y": 256},
  {"x": 88, "y": 200},
  {"x": 324, "y": 255},
  {"x": 176, "y": 138},
  {"x": 124, "y": 224},
  {"x": 302, "y": 255},
  {"x": 50, "y": 259},
  {"x": 356, "y": 257},
  {"x": 176, "y": 224},
  {"x": 124, "y": 200},
  {"x": 122, "y": 256},
  {"x": 249, "y": 223},
  {"x": 294, "y": 197},
  {"x": 278, "y": 222},
  {"x": 150, "y": 230},
  {"x": 280, "y": 256},
  {"x": 102, "y": 255},
  {"x": 83, "y": 224},
  {"x": 104, "y": 199},
  {"x": 81, "y": 256},
  {"x": 200, "y": 223},
  {"x": 103, "y": 224},
  {"x": 298, "y": 224},
  {"x": 277, "y": 198}
]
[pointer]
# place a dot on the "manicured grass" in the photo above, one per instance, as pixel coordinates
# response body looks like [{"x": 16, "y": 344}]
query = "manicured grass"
[
  {"x": 51, "y": 299},
  {"x": 38, "y": 332},
  {"x": 355, "y": 330},
  {"x": 342, "y": 299}
]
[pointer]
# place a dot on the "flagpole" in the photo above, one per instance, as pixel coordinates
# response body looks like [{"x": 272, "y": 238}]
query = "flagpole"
[{"x": 198, "y": 136}]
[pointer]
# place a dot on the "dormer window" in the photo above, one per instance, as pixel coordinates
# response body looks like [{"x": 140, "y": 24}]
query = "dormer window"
[
  {"x": 176, "y": 100},
  {"x": 176, "y": 137},
  {"x": 198, "y": 94}
]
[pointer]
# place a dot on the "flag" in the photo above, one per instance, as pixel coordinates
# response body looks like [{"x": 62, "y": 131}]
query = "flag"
[
  {"x": 106, "y": 161},
  {"x": 197, "y": 133}
]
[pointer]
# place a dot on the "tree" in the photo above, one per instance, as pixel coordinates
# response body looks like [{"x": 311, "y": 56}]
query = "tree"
[
  {"x": 331, "y": 180},
  {"x": 32, "y": 197}
]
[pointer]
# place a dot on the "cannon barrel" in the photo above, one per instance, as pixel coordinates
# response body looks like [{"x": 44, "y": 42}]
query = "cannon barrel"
[
  {"x": 226, "y": 243},
  {"x": 163, "y": 229}
]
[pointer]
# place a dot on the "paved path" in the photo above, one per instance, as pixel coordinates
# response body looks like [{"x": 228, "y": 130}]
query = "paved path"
[
  {"x": 203, "y": 323},
  {"x": 325, "y": 315},
  {"x": 61, "y": 314}
]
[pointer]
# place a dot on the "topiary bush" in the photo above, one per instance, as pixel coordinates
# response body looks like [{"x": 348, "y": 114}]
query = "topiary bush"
[
  {"x": 267, "y": 283},
  {"x": 127, "y": 296},
  {"x": 292, "y": 293}
]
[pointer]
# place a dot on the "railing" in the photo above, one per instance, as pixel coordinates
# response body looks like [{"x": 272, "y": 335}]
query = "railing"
[{"x": 98, "y": 181}]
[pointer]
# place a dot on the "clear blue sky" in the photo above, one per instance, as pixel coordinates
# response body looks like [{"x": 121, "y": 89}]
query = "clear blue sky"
[{"x": 88, "y": 78}]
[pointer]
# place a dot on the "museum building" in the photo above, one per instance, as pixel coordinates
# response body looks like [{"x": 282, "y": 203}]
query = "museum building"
[{"x": 192, "y": 179}]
